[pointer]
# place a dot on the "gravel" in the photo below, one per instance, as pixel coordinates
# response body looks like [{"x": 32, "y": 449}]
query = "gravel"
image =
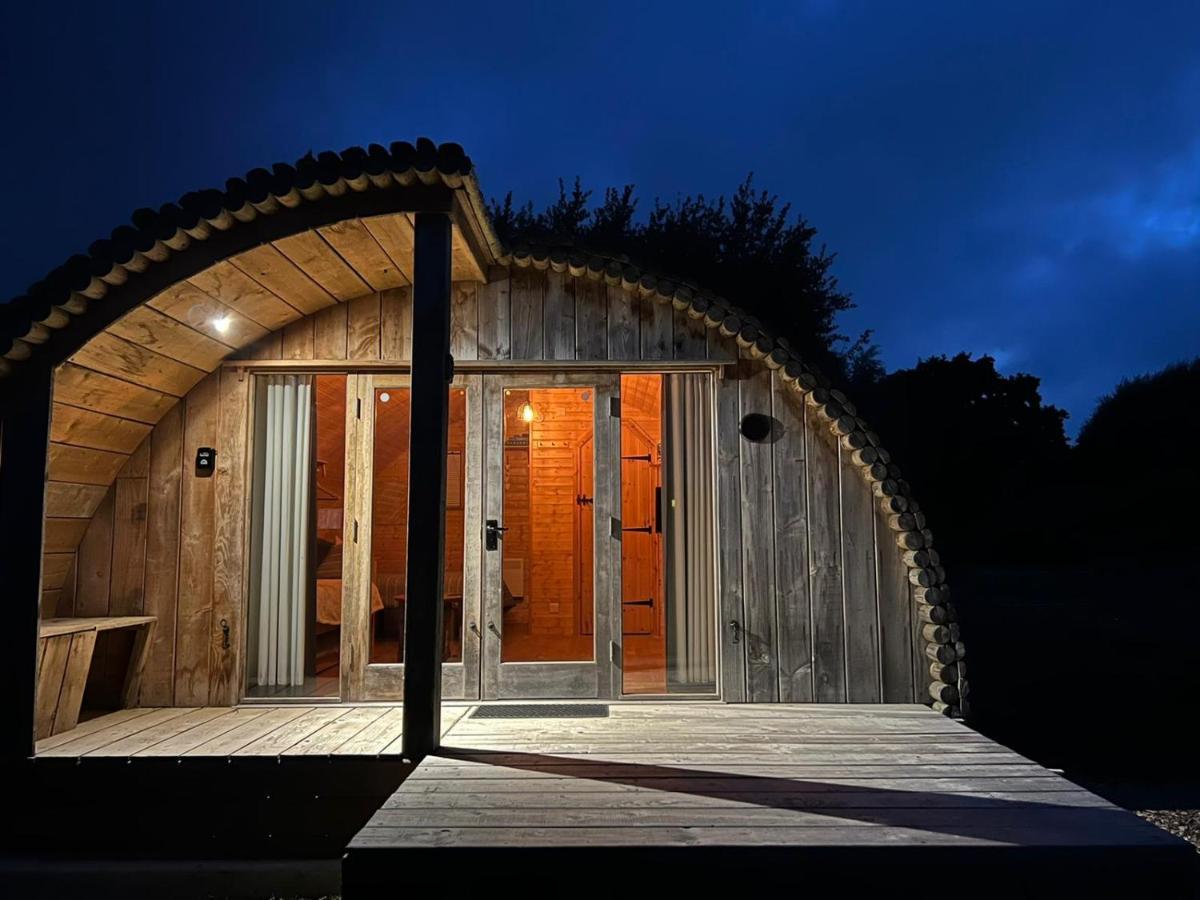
[{"x": 1182, "y": 822}]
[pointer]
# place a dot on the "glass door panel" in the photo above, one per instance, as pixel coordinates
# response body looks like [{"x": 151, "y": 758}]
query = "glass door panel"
[
  {"x": 384, "y": 433},
  {"x": 551, "y": 555}
]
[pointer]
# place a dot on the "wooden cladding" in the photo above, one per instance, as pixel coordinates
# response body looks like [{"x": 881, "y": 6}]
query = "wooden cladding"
[{"x": 809, "y": 570}]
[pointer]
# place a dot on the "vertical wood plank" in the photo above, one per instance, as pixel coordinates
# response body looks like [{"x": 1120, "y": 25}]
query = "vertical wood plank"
[
  {"x": 231, "y": 491},
  {"x": 129, "y": 535},
  {"x": 689, "y": 336},
  {"x": 559, "y": 316},
  {"x": 193, "y": 624},
  {"x": 591, "y": 319},
  {"x": 758, "y": 540},
  {"x": 624, "y": 325},
  {"x": 329, "y": 332},
  {"x": 70, "y": 698},
  {"x": 363, "y": 328},
  {"x": 51, "y": 672},
  {"x": 863, "y": 683},
  {"x": 473, "y": 535},
  {"x": 162, "y": 555},
  {"x": 655, "y": 319},
  {"x": 298, "y": 339},
  {"x": 895, "y": 629},
  {"x": 395, "y": 324},
  {"x": 920, "y": 663},
  {"x": 607, "y": 506},
  {"x": 729, "y": 537},
  {"x": 825, "y": 559},
  {"x": 791, "y": 549},
  {"x": 525, "y": 301},
  {"x": 93, "y": 562},
  {"x": 268, "y": 347},
  {"x": 356, "y": 531},
  {"x": 464, "y": 320},
  {"x": 142, "y": 639},
  {"x": 494, "y": 326}
]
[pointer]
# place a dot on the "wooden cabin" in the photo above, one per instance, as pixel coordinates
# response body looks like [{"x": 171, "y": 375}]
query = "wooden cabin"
[
  {"x": 647, "y": 493},
  {"x": 289, "y": 468}
]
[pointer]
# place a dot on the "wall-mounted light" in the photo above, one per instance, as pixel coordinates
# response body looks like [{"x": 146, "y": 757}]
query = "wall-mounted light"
[
  {"x": 526, "y": 412},
  {"x": 385, "y": 397},
  {"x": 222, "y": 323}
]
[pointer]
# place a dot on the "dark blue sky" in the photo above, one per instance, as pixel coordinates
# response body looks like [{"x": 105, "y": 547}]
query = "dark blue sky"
[{"x": 1019, "y": 179}]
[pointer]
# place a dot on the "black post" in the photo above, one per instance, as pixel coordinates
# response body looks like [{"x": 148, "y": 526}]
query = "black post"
[
  {"x": 24, "y": 434},
  {"x": 432, "y": 370}
]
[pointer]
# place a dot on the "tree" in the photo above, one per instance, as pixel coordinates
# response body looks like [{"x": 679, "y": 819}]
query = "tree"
[
  {"x": 749, "y": 249},
  {"x": 985, "y": 457},
  {"x": 1137, "y": 467}
]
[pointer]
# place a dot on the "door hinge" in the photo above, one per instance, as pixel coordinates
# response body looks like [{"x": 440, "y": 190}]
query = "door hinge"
[
  {"x": 616, "y": 527},
  {"x": 356, "y": 531},
  {"x": 358, "y": 408},
  {"x": 614, "y": 653},
  {"x": 614, "y": 407}
]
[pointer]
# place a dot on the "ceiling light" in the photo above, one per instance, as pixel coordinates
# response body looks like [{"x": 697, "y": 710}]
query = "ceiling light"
[
  {"x": 222, "y": 323},
  {"x": 526, "y": 412}
]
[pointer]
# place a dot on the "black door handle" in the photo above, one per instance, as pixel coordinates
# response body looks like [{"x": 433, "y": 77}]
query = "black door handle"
[
  {"x": 649, "y": 602},
  {"x": 493, "y": 534}
]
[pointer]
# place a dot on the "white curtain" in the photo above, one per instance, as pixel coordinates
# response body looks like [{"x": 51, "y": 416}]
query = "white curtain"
[
  {"x": 691, "y": 594},
  {"x": 283, "y": 473}
]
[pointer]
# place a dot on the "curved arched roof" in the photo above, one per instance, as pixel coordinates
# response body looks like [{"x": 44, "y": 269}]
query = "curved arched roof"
[{"x": 162, "y": 248}]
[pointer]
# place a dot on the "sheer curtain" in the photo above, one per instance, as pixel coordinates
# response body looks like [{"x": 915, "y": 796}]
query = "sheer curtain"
[
  {"x": 691, "y": 594},
  {"x": 280, "y": 529}
]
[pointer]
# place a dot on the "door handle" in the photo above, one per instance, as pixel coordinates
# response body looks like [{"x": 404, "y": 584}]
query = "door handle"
[
  {"x": 493, "y": 629},
  {"x": 649, "y": 602},
  {"x": 475, "y": 630},
  {"x": 493, "y": 533}
]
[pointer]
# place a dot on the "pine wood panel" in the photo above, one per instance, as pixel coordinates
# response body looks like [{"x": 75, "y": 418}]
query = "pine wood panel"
[
  {"x": 231, "y": 286},
  {"x": 63, "y": 535},
  {"x": 231, "y": 489},
  {"x": 162, "y": 555},
  {"x": 55, "y": 569},
  {"x": 464, "y": 321},
  {"x": 363, "y": 328},
  {"x": 194, "y": 307},
  {"x": 120, "y": 358},
  {"x": 274, "y": 271},
  {"x": 395, "y": 235},
  {"x": 320, "y": 262},
  {"x": 147, "y": 327},
  {"x": 329, "y": 332},
  {"x": 559, "y": 316},
  {"x": 93, "y": 575},
  {"x": 299, "y": 340},
  {"x": 77, "y": 386},
  {"x": 73, "y": 501},
  {"x": 357, "y": 246},
  {"x": 193, "y": 624},
  {"x": 87, "y": 428},
  {"x": 395, "y": 324},
  {"x": 83, "y": 465},
  {"x": 130, "y": 497}
]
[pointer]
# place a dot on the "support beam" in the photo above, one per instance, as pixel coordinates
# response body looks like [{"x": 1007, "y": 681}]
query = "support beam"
[
  {"x": 432, "y": 369},
  {"x": 24, "y": 440}
]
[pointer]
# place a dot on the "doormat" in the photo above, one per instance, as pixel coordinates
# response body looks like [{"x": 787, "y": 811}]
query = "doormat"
[{"x": 542, "y": 711}]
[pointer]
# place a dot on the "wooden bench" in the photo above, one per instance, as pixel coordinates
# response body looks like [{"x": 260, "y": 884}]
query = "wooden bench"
[{"x": 65, "y": 648}]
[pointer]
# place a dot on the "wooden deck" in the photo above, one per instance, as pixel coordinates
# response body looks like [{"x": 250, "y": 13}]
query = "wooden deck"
[{"x": 706, "y": 792}]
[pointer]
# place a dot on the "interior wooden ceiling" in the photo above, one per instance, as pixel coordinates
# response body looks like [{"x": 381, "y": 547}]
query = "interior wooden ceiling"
[{"x": 111, "y": 392}]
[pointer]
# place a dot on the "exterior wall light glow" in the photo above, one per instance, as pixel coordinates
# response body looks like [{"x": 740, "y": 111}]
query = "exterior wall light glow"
[{"x": 526, "y": 412}]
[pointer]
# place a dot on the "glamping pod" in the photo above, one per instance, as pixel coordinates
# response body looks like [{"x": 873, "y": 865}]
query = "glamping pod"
[{"x": 211, "y": 422}]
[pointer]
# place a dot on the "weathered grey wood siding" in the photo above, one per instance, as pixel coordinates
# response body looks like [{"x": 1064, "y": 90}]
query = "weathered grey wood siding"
[{"x": 815, "y": 602}]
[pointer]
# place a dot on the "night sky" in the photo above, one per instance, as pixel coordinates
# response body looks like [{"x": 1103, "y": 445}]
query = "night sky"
[{"x": 1018, "y": 179}]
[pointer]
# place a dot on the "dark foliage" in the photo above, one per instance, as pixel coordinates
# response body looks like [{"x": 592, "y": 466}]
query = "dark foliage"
[
  {"x": 1136, "y": 466},
  {"x": 749, "y": 249},
  {"x": 982, "y": 452}
]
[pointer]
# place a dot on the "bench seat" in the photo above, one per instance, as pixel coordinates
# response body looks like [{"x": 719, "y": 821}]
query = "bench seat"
[{"x": 65, "y": 648}]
